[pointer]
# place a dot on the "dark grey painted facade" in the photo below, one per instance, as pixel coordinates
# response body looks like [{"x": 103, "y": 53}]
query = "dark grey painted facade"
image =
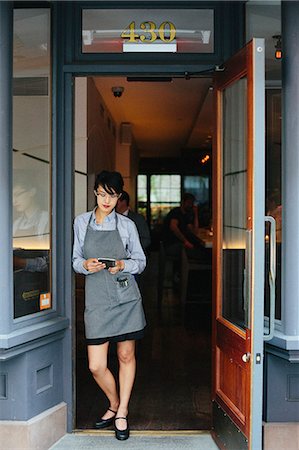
[
  {"x": 6, "y": 162},
  {"x": 281, "y": 385},
  {"x": 34, "y": 350},
  {"x": 281, "y": 403},
  {"x": 32, "y": 381},
  {"x": 36, "y": 369}
]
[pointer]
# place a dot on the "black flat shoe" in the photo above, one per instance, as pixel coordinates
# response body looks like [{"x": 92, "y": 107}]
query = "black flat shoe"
[
  {"x": 104, "y": 423},
  {"x": 121, "y": 435}
]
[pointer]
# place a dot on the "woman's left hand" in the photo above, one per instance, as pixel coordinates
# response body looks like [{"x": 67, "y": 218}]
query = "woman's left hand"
[{"x": 119, "y": 265}]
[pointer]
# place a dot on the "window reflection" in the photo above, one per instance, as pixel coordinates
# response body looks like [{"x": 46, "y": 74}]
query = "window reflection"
[
  {"x": 235, "y": 303},
  {"x": 31, "y": 221},
  {"x": 31, "y": 161}
]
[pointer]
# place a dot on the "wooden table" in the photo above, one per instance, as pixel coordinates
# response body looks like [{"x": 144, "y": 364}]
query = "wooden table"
[{"x": 205, "y": 236}]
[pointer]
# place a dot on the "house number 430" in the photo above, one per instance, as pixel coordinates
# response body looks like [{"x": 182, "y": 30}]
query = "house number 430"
[{"x": 148, "y": 32}]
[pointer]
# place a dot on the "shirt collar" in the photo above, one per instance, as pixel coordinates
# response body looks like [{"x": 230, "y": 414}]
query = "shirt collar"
[{"x": 109, "y": 218}]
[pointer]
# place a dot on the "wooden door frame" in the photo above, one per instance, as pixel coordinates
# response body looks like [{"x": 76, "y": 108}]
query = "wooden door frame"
[{"x": 234, "y": 72}]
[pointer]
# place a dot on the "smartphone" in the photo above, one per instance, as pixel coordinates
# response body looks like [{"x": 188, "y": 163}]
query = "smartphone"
[{"x": 110, "y": 262}]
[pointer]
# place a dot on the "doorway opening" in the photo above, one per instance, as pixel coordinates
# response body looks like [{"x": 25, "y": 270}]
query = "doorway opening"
[{"x": 151, "y": 131}]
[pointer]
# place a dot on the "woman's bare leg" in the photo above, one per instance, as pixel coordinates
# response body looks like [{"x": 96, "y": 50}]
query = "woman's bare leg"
[
  {"x": 97, "y": 359},
  {"x": 127, "y": 371}
]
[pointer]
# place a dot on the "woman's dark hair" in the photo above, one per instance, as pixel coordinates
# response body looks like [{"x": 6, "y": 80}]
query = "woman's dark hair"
[{"x": 110, "y": 181}]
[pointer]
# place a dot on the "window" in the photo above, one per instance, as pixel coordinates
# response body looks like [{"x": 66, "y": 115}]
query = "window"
[
  {"x": 148, "y": 30},
  {"x": 165, "y": 194},
  {"x": 142, "y": 195},
  {"x": 31, "y": 161},
  {"x": 199, "y": 186}
]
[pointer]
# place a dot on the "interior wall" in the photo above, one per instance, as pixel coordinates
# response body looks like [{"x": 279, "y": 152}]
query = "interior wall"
[
  {"x": 100, "y": 144},
  {"x": 127, "y": 160},
  {"x": 101, "y": 138},
  {"x": 135, "y": 157},
  {"x": 80, "y": 145}
]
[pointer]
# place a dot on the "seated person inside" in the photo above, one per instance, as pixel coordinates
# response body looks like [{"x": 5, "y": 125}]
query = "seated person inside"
[
  {"x": 179, "y": 229},
  {"x": 179, "y": 225}
]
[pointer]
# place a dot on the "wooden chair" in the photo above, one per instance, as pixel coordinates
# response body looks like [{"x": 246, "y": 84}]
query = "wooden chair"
[
  {"x": 187, "y": 266},
  {"x": 165, "y": 273}
]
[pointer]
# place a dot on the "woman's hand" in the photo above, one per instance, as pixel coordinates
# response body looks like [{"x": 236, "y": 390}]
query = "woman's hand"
[
  {"x": 119, "y": 266},
  {"x": 93, "y": 265}
]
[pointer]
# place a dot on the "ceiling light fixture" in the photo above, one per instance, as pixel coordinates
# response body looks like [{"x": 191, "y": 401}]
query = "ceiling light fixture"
[
  {"x": 278, "y": 48},
  {"x": 145, "y": 79},
  {"x": 117, "y": 91},
  {"x": 205, "y": 159}
]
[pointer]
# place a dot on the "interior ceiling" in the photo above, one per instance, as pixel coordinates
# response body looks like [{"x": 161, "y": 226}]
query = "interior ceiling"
[{"x": 166, "y": 117}]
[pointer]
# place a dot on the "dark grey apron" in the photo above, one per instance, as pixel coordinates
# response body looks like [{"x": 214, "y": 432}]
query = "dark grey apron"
[{"x": 113, "y": 303}]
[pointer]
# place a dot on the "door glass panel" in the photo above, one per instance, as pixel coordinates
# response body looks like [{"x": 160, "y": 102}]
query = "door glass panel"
[{"x": 234, "y": 201}]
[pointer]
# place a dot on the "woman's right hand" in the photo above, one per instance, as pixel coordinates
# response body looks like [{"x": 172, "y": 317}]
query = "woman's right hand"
[{"x": 93, "y": 265}]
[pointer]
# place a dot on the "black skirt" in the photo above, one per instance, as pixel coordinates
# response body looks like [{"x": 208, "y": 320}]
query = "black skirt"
[{"x": 134, "y": 336}]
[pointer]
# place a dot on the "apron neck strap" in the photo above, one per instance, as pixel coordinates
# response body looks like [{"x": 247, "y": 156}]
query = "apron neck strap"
[{"x": 116, "y": 219}]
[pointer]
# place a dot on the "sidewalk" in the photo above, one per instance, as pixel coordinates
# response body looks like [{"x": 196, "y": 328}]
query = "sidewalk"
[{"x": 137, "y": 441}]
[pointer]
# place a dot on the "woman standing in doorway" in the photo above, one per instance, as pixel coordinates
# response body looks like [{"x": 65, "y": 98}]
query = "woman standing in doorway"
[{"x": 113, "y": 306}]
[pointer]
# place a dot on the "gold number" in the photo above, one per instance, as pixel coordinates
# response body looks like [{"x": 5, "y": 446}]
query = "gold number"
[
  {"x": 130, "y": 34},
  {"x": 171, "y": 30},
  {"x": 151, "y": 30},
  {"x": 166, "y": 31}
]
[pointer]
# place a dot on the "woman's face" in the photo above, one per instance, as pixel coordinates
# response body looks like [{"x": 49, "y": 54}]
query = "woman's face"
[{"x": 106, "y": 202}]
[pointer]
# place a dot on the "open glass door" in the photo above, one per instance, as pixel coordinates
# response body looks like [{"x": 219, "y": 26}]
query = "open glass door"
[{"x": 238, "y": 207}]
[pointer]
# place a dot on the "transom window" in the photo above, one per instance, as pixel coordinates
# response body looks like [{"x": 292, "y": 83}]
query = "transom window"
[{"x": 148, "y": 31}]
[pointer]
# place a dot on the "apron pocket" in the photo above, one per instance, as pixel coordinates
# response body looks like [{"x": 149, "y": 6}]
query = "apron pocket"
[{"x": 127, "y": 289}]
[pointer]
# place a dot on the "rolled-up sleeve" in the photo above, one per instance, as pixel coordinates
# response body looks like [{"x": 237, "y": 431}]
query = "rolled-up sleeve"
[
  {"x": 78, "y": 258},
  {"x": 136, "y": 261}
]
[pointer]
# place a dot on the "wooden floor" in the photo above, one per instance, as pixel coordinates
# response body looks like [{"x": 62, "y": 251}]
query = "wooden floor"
[{"x": 172, "y": 388}]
